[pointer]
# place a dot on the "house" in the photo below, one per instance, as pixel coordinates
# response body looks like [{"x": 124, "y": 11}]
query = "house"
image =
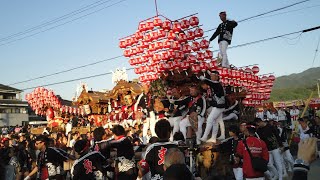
[{"x": 13, "y": 110}]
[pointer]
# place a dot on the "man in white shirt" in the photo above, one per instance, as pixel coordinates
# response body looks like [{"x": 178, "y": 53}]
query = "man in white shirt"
[
  {"x": 282, "y": 116},
  {"x": 294, "y": 112}
]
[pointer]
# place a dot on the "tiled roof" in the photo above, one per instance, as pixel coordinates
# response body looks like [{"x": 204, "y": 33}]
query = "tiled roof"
[{"x": 4, "y": 87}]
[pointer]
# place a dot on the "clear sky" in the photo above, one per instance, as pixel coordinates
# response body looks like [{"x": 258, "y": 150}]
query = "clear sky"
[{"x": 95, "y": 37}]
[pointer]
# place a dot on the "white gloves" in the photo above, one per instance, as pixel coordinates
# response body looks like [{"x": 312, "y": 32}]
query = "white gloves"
[{"x": 202, "y": 78}]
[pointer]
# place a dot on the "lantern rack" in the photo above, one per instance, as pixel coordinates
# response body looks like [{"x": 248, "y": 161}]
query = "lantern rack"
[{"x": 166, "y": 19}]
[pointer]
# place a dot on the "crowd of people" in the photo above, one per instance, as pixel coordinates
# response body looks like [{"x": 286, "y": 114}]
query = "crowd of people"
[{"x": 163, "y": 147}]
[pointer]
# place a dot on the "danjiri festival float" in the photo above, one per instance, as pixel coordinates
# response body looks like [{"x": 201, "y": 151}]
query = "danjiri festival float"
[{"x": 180, "y": 80}]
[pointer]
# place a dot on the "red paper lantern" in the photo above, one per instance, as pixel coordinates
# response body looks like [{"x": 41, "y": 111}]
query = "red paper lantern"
[
  {"x": 194, "y": 21},
  {"x": 208, "y": 54},
  {"x": 142, "y": 27},
  {"x": 186, "y": 48},
  {"x": 176, "y": 46},
  {"x": 126, "y": 53},
  {"x": 157, "y": 22},
  {"x": 149, "y": 25},
  {"x": 179, "y": 55},
  {"x": 185, "y": 65},
  {"x": 191, "y": 59},
  {"x": 183, "y": 38},
  {"x": 148, "y": 37},
  {"x": 203, "y": 66},
  {"x": 162, "y": 67},
  {"x": 167, "y": 44},
  {"x": 255, "y": 69},
  {"x": 190, "y": 35},
  {"x": 171, "y": 35},
  {"x": 171, "y": 54},
  {"x": 200, "y": 56},
  {"x": 204, "y": 44},
  {"x": 195, "y": 46},
  {"x": 170, "y": 65},
  {"x": 161, "y": 33},
  {"x": 196, "y": 69},
  {"x": 152, "y": 47},
  {"x": 185, "y": 24},
  {"x": 272, "y": 78},
  {"x": 198, "y": 32},
  {"x": 176, "y": 27},
  {"x": 166, "y": 25},
  {"x": 155, "y": 35},
  {"x": 213, "y": 65},
  {"x": 144, "y": 44},
  {"x": 156, "y": 57},
  {"x": 165, "y": 56},
  {"x": 137, "y": 70},
  {"x": 248, "y": 70},
  {"x": 158, "y": 45},
  {"x": 122, "y": 44}
]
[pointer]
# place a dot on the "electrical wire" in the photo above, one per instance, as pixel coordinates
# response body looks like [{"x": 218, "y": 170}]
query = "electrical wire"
[
  {"x": 72, "y": 80},
  {"x": 40, "y": 77},
  {"x": 265, "y": 13},
  {"x": 55, "y": 20},
  {"x": 67, "y": 22},
  {"x": 67, "y": 70},
  {"x": 109, "y": 59},
  {"x": 271, "y": 38}
]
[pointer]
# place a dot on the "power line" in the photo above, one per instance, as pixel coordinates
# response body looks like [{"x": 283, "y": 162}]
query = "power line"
[
  {"x": 316, "y": 52},
  {"x": 72, "y": 80},
  {"x": 109, "y": 59},
  {"x": 240, "y": 45},
  {"x": 271, "y": 38},
  {"x": 62, "y": 23},
  {"x": 265, "y": 13},
  {"x": 67, "y": 70},
  {"x": 40, "y": 77},
  {"x": 286, "y": 12},
  {"x": 63, "y": 17}
]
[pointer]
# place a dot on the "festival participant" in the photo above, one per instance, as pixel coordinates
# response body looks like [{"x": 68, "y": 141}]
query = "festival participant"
[
  {"x": 146, "y": 101},
  {"x": 265, "y": 114},
  {"x": 216, "y": 99},
  {"x": 282, "y": 116},
  {"x": 232, "y": 111},
  {"x": 49, "y": 160},
  {"x": 224, "y": 31},
  {"x": 257, "y": 147},
  {"x": 195, "y": 116},
  {"x": 100, "y": 142},
  {"x": 303, "y": 129},
  {"x": 287, "y": 159},
  {"x": 229, "y": 148},
  {"x": 180, "y": 109},
  {"x": 89, "y": 165},
  {"x": 155, "y": 153},
  {"x": 271, "y": 137},
  {"x": 294, "y": 112}
]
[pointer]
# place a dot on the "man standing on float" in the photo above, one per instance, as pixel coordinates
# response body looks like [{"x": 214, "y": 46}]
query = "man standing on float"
[
  {"x": 225, "y": 31},
  {"x": 146, "y": 102},
  {"x": 216, "y": 99}
]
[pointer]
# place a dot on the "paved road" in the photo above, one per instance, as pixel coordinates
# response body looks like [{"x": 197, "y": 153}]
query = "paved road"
[{"x": 314, "y": 173}]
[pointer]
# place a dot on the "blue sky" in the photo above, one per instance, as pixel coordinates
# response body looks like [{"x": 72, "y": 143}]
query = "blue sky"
[{"x": 95, "y": 37}]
